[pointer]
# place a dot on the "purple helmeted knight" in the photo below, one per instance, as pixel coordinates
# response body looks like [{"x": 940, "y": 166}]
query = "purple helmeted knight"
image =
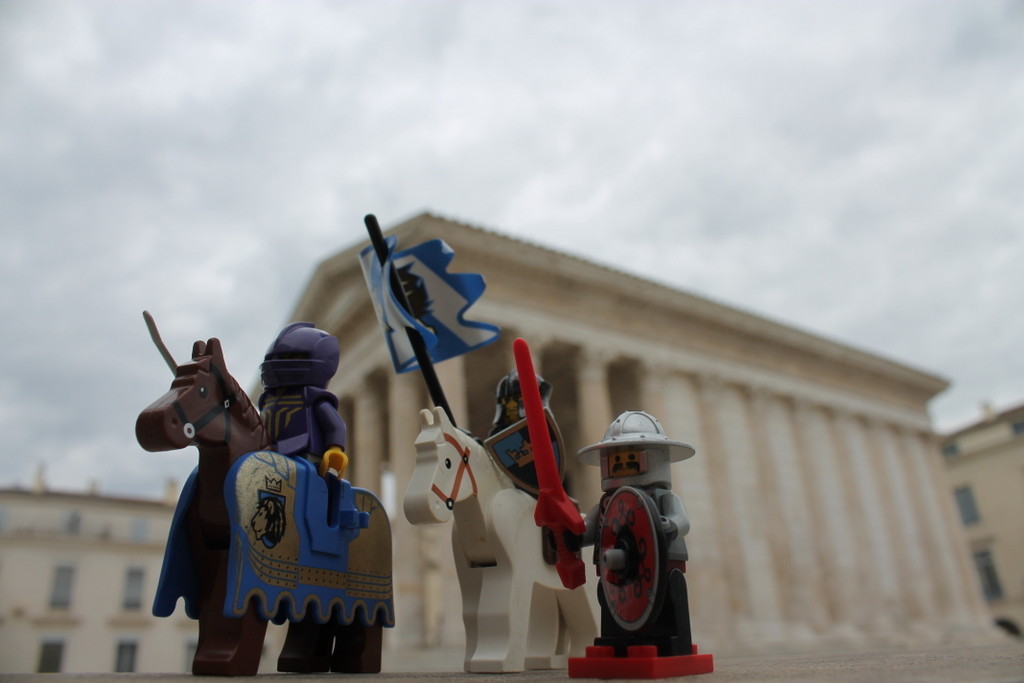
[{"x": 298, "y": 411}]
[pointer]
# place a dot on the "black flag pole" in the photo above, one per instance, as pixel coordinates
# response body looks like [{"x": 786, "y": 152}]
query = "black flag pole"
[{"x": 419, "y": 348}]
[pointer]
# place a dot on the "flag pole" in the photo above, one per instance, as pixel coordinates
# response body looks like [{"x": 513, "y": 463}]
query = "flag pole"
[{"x": 419, "y": 348}]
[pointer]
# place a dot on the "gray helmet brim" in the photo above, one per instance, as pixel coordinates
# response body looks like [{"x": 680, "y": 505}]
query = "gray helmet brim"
[{"x": 676, "y": 450}]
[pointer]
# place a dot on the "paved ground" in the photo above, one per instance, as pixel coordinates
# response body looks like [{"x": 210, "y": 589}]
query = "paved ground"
[{"x": 983, "y": 664}]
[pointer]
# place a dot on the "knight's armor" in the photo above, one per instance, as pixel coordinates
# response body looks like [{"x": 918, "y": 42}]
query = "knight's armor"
[
  {"x": 635, "y": 452},
  {"x": 509, "y": 399},
  {"x": 298, "y": 411}
]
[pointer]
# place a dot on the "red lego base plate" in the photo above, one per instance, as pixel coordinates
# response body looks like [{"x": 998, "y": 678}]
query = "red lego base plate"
[{"x": 641, "y": 661}]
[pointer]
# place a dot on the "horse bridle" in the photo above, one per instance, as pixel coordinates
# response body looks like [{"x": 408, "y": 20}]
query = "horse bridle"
[
  {"x": 192, "y": 428},
  {"x": 464, "y": 468}
]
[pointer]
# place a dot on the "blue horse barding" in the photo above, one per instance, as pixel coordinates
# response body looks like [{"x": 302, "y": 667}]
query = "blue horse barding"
[{"x": 299, "y": 545}]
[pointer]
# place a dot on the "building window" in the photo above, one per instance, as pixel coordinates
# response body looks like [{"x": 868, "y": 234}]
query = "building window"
[
  {"x": 1018, "y": 427},
  {"x": 968, "y": 508},
  {"x": 124, "y": 659},
  {"x": 51, "y": 655},
  {"x": 951, "y": 449},
  {"x": 140, "y": 530},
  {"x": 986, "y": 565},
  {"x": 73, "y": 523},
  {"x": 133, "y": 580},
  {"x": 63, "y": 579}
]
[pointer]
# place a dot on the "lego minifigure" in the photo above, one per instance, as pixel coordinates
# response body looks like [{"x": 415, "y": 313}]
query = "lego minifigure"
[
  {"x": 257, "y": 537},
  {"x": 516, "y": 612},
  {"x": 508, "y": 398},
  {"x": 298, "y": 411},
  {"x": 637, "y": 531},
  {"x": 302, "y": 418},
  {"x": 508, "y": 441}
]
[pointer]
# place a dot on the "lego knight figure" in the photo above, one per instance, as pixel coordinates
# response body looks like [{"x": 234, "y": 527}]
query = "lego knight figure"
[
  {"x": 298, "y": 411},
  {"x": 637, "y": 530},
  {"x": 302, "y": 420},
  {"x": 508, "y": 398},
  {"x": 508, "y": 441}
]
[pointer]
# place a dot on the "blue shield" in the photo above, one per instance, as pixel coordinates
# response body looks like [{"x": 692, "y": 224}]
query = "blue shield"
[{"x": 512, "y": 450}]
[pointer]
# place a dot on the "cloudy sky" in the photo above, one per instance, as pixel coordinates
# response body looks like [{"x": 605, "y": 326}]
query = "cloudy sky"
[{"x": 850, "y": 168}]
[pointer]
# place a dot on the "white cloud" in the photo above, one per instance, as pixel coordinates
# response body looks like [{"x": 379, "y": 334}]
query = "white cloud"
[{"x": 852, "y": 168}]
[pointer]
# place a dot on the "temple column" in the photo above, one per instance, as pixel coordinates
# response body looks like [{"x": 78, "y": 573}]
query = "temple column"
[
  {"x": 877, "y": 587},
  {"x": 767, "y": 461},
  {"x": 800, "y": 571},
  {"x": 651, "y": 381},
  {"x": 760, "y": 613},
  {"x": 452, "y": 376},
  {"x": 908, "y": 532},
  {"x": 366, "y": 447},
  {"x": 424, "y": 571},
  {"x": 595, "y": 408},
  {"x": 951, "y": 595},
  {"x": 933, "y": 546},
  {"x": 895, "y": 582},
  {"x": 833, "y": 529},
  {"x": 538, "y": 342},
  {"x": 974, "y": 609},
  {"x": 731, "y": 561},
  {"x": 856, "y": 581},
  {"x": 712, "y": 621}
]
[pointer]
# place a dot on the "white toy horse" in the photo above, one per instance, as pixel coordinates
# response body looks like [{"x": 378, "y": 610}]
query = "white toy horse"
[{"x": 516, "y": 612}]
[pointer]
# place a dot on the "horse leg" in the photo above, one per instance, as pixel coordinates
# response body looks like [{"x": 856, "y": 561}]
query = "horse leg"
[
  {"x": 578, "y": 608},
  {"x": 502, "y": 619},
  {"x": 560, "y": 619},
  {"x": 228, "y": 646},
  {"x": 545, "y": 645},
  {"x": 357, "y": 647},
  {"x": 470, "y": 583},
  {"x": 307, "y": 647}
]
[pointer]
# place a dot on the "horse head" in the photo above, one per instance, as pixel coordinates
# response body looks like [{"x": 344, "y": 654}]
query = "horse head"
[
  {"x": 195, "y": 410},
  {"x": 205, "y": 406},
  {"x": 444, "y": 470}
]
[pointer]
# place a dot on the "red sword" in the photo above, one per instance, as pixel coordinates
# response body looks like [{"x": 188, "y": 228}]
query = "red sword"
[{"x": 554, "y": 508}]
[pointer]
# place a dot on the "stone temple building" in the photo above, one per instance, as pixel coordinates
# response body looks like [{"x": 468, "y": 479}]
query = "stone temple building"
[{"x": 819, "y": 515}]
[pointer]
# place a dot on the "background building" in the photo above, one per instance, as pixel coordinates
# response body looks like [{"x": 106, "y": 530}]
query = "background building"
[
  {"x": 77, "y": 576},
  {"x": 78, "y": 572},
  {"x": 985, "y": 464},
  {"x": 817, "y": 509},
  {"x": 818, "y": 512}
]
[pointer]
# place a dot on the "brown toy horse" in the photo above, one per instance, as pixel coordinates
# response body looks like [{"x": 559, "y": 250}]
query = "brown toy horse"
[{"x": 207, "y": 408}]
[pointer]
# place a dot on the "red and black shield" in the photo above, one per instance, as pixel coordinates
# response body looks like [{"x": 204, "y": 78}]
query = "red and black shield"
[{"x": 631, "y": 558}]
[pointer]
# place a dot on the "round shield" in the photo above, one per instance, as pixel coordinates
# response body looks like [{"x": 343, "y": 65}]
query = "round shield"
[{"x": 631, "y": 558}]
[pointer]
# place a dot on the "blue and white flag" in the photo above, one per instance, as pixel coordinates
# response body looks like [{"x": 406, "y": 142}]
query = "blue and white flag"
[{"x": 438, "y": 301}]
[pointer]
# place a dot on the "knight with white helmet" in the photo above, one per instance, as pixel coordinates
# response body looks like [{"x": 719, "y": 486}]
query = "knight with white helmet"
[{"x": 635, "y": 456}]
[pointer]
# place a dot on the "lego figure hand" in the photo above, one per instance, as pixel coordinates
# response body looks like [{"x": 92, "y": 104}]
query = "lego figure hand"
[
  {"x": 573, "y": 542},
  {"x": 669, "y": 528},
  {"x": 334, "y": 462}
]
